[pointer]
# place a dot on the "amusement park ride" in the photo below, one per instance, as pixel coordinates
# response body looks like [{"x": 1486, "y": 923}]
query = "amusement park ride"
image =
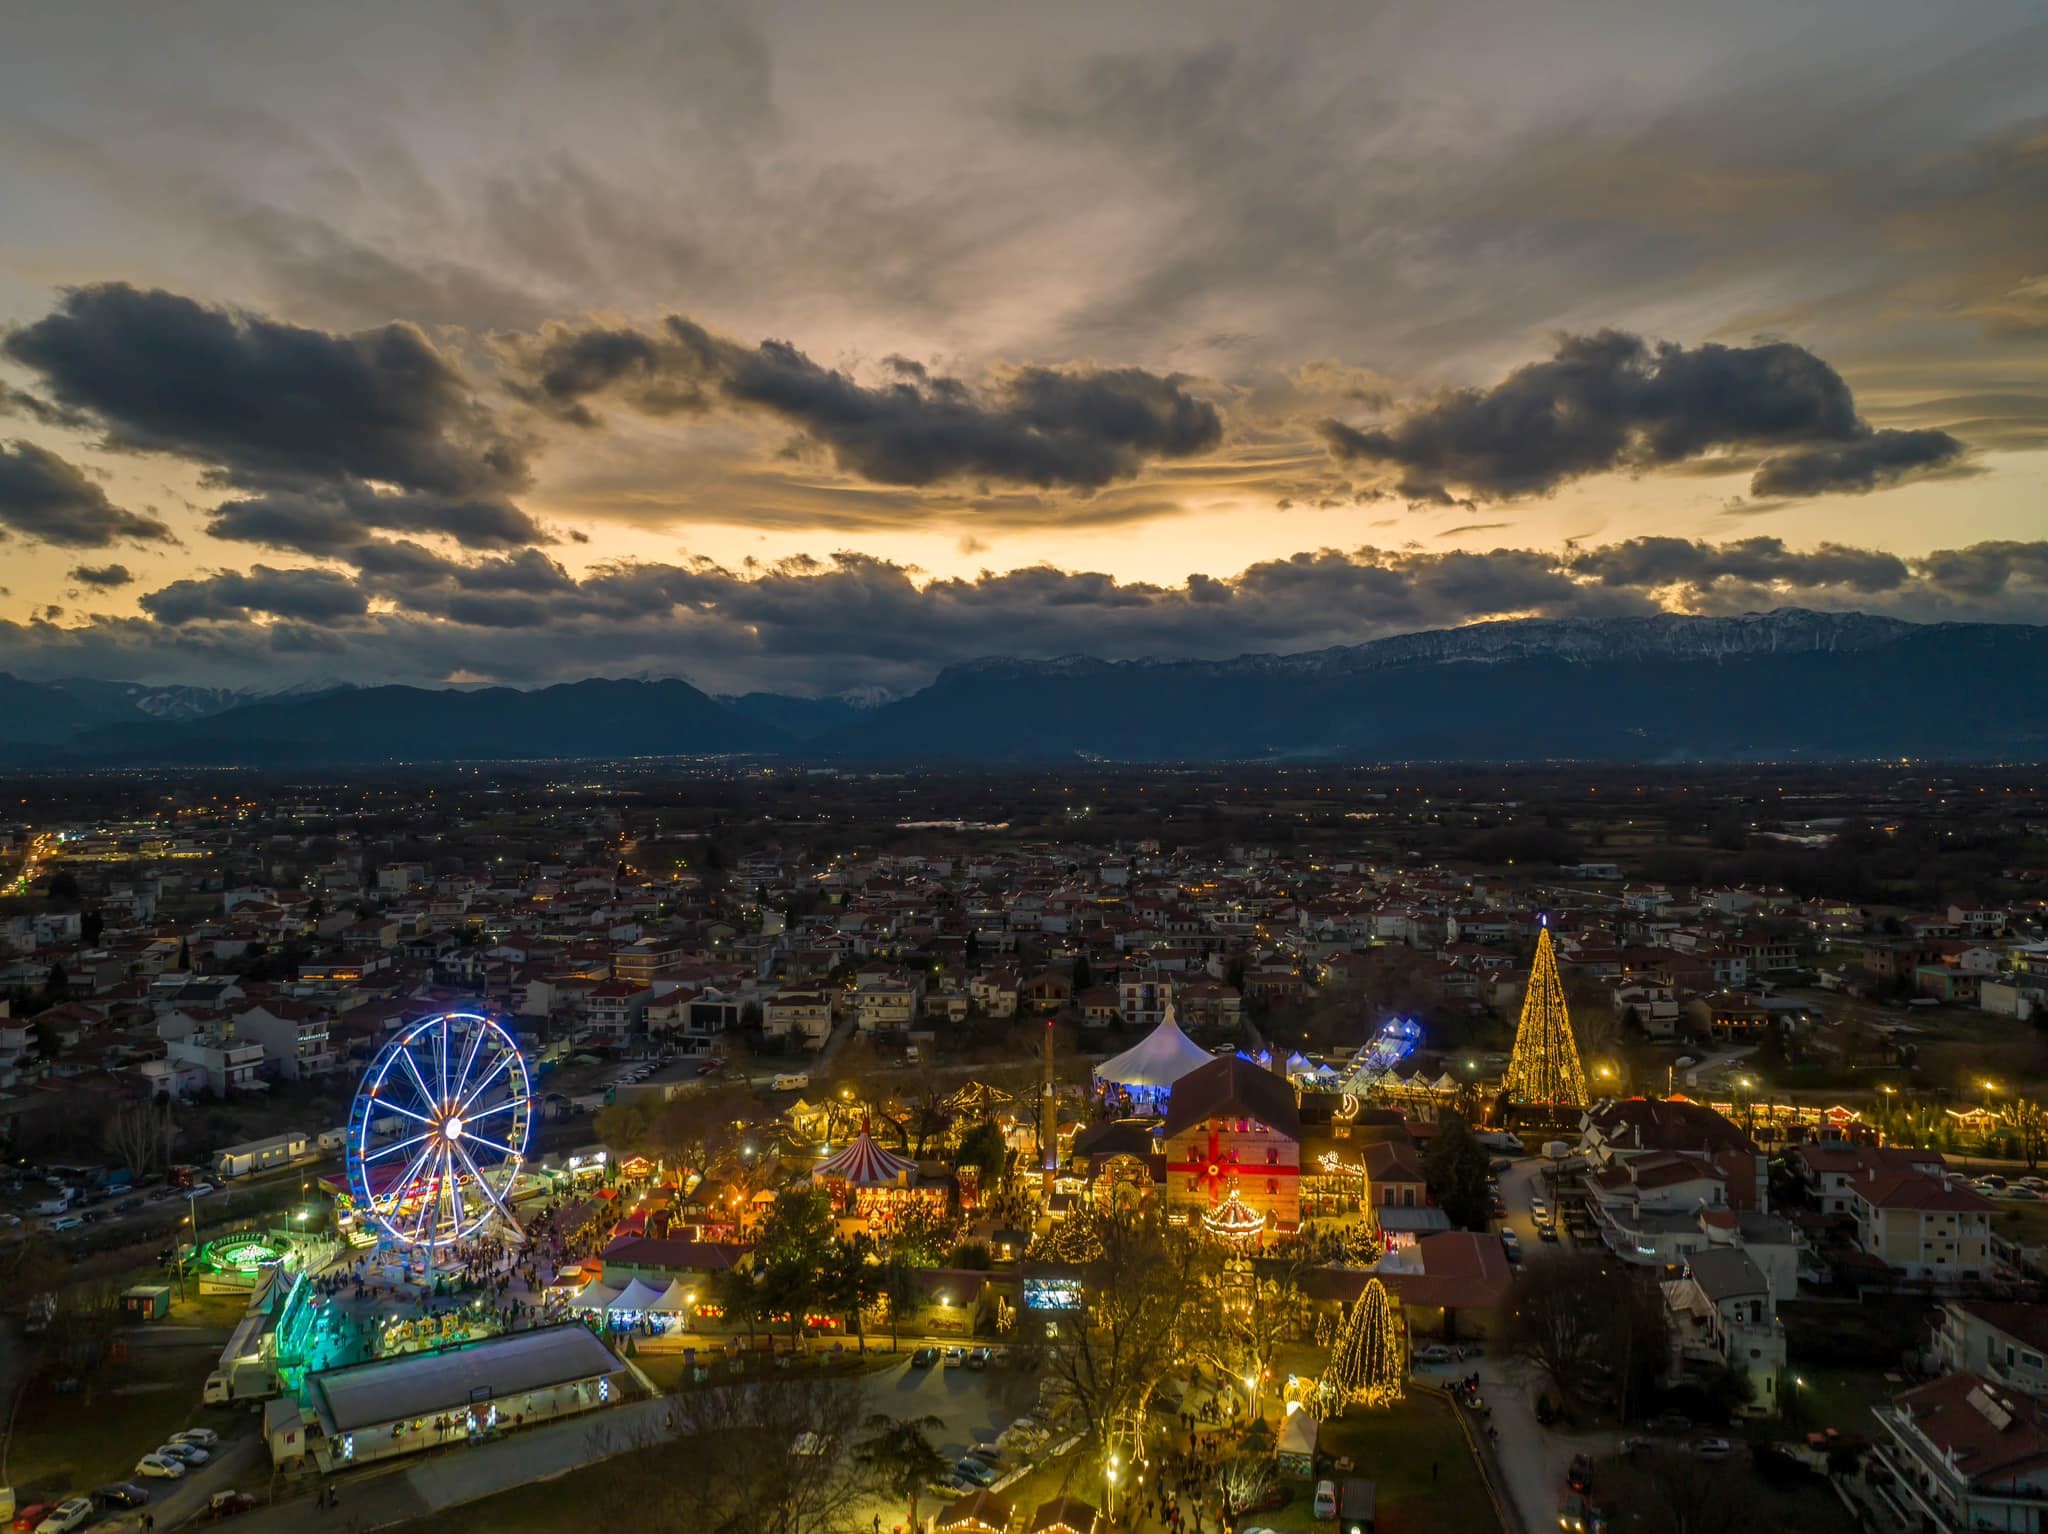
[{"x": 438, "y": 1133}]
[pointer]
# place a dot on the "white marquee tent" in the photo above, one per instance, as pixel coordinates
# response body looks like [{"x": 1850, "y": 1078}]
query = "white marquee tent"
[{"x": 1156, "y": 1061}]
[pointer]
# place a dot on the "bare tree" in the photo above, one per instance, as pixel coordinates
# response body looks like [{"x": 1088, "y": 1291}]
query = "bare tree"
[
  {"x": 1680, "y": 1493},
  {"x": 1111, "y": 1353},
  {"x": 767, "y": 1457},
  {"x": 1237, "y": 1322},
  {"x": 2029, "y": 1125},
  {"x": 1574, "y": 1312},
  {"x": 142, "y": 1135}
]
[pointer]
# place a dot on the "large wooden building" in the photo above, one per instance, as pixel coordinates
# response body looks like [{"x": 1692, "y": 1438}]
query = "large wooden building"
[{"x": 1233, "y": 1126}]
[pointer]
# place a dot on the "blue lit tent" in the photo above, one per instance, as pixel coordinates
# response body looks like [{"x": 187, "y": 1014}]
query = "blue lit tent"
[{"x": 1150, "y": 1067}]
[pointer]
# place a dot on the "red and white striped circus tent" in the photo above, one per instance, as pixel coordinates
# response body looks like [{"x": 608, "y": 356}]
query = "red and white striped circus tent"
[{"x": 864, "y": 1164}]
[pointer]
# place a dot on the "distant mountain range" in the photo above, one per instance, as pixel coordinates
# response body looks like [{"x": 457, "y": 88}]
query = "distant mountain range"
[{"x": 1785, "y": 684}]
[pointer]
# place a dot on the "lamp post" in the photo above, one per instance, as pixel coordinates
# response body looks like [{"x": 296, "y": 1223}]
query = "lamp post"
[
  {"x": 1251, "y": 1390},
  {"x": 1109, "y": 1476}
]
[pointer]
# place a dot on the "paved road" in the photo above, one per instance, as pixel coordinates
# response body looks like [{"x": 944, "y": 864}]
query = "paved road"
[{"x": 1532, "y": 1458}]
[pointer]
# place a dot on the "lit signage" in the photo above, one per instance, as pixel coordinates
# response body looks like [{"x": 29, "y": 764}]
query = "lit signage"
[{"x": 1052, "y": 1294}]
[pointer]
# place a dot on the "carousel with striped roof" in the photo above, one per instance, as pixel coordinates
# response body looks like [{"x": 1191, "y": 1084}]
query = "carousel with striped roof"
[{"x": 868, "y": 1183}]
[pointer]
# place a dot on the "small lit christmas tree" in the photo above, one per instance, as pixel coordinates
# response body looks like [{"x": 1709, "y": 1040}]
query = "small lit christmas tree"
[
  {"x": 1074, "y": 1238},
  {"x": 1368, "y": 1364}
]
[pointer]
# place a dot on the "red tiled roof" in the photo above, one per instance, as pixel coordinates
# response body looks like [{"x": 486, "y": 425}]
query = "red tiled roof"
[
  {"x": 1950, "y": 1413},
  {"x": 1909, "y": 1189}
]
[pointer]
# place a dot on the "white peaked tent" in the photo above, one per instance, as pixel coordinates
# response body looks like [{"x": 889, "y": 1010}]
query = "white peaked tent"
[
  {"x": 1156, "y": 1061},
  {"x": 672, "y": 1301},
  {"x": 593, "y": 1296},
  {"x": 634, "y": 1298}
]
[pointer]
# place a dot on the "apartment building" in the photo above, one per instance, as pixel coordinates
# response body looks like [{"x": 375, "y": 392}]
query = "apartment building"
[{"x": 1922, "y": 1227}]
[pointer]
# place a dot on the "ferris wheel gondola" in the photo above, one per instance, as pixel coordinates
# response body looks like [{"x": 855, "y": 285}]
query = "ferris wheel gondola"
[{"x": 439, "y": 1131}]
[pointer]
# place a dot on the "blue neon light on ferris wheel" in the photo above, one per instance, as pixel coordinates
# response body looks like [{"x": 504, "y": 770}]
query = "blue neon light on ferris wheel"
[{"x": 439, "y": 1129}]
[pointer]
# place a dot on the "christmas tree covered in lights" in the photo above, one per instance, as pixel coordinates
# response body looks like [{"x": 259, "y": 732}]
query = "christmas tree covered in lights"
[
  {"x": 1545, "y": 1066},
  {"x": 1369, "y": 1361}
]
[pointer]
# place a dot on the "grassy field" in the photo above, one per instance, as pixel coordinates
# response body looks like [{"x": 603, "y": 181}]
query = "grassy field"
[
  {"x": 71, "y": 1442},
  {"x": 1841, "y": 1399},
  {"x": 1417, "y": 1455}
]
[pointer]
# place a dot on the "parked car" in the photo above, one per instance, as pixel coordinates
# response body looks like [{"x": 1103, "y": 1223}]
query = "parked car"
[
  {"x": 1671, "y": 1422},
  {"x": 67, "y": 1222},
  {"x": 201, "y": 1190},
  {"x": 190, "y": 1453},
  {"x": 67, "y": 1515},
  {"x": 1435, "y": 1353},
  {"x": 160, "y": 1467},
  {"x": 26, "y": 1518},
  {"x": 956, "y": 1355},
  {"x": 225, "y": 1504},
  {"x": 122, "y": 1494},
  {"x": 976, "y": 1472},
  {"x": 1580, "y": 1476},
  {"x": 205, "y": 1437},
  {"x": 987, "y": 1453},
  {"x": 980, "y": 1358},
  {"x": 1025, "y": 1434},
  {"x": 924, "y": 1358},
  {"x": 1547, "y": 1233},
  {"x": 1713, "y": 1448},
  {"x": 1326, "y": 1500}
]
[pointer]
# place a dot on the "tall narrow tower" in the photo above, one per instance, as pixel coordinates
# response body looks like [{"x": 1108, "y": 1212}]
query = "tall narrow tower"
[
  {"x": 1545, "y": 1066},
  {"x": 1048, "y": 1121}
]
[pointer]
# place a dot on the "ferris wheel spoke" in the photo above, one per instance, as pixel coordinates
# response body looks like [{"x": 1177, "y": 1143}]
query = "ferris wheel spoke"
[
  {"x": 420, "y": 1204},
  {"x": 476, "y": 1040},
  {"x": 417, "y": 1118},
  {"x": 483, "y": 1113},
  {"x": 441, "y": 1058},
  {"x": 483, "y": 1183},
  {"x": 504, "y": 1060},
  {"x": 493, "y": 1144},
  {"x": 412, "y": 1069},
  {"x": 392, "y": 1149},
  {"x": 398, "y": 1189}
]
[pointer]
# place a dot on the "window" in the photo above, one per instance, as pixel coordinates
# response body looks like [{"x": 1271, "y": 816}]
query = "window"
[
  {"x": 1272, "y": 1155},
  {"x": 1272, "y": 1185}
]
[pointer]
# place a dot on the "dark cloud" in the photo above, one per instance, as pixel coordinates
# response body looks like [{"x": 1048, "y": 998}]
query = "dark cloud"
[
  {"x": 1986, "y": 569},
  {"x": 1657, "y": 563},
  {"x": 1076, "y": 428},
  {"x": 326, "y": 519},
  {"x": 262, "y": 402},
  {"x": 1613, "y": 400},
  {"x": 407, "y": 612},
  {"x": 19, "y": 402},
  {"x": 1863, "y": 463},
  {"x": 309, "y": 596},
  {"x": 48, "y": 500},
  {"x": 105, "y": 577}
]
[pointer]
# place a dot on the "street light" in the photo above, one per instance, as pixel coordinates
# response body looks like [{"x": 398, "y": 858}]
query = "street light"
[
  {"x": 1251, "y": 1390},
  {"x": 1109, "y": 1474}
]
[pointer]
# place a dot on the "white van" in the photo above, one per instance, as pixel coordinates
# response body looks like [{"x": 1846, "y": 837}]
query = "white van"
[
  {"x": 791, "y": 1081},
  {"x": 1326, "y": 1499}
]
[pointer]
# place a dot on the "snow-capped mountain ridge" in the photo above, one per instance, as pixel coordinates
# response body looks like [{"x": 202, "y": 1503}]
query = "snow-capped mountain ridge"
[{"x": 1581, "y": 641}]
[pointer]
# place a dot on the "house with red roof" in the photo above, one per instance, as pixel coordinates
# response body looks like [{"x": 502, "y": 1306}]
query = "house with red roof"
[
  {"x": 1964, "y": 1454},
  {"x": 1925, "y": 1227}
]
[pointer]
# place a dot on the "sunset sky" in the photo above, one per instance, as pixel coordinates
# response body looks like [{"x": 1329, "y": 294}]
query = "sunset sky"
[{"x": 815, "y": 346}]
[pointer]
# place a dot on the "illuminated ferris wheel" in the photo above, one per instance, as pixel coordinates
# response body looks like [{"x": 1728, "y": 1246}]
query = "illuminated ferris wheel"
[{"x": 438, "y": 1131}]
